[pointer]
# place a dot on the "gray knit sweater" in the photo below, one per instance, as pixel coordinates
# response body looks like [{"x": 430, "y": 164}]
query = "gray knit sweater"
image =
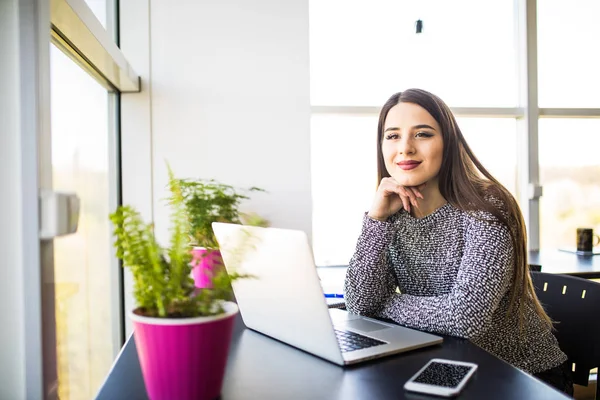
[{"x": 454, "y": 272}]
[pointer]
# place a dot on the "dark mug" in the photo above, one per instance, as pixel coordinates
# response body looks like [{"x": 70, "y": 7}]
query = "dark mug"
[{"x": 586, "y": 239}]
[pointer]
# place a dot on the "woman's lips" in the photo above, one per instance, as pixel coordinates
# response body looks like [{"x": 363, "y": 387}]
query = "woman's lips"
[{"x": 408, "y": 165}]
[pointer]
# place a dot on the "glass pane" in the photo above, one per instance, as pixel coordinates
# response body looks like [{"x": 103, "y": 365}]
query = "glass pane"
[
  {"x": 569, "y": 173},
  {"x": 568, "y": 55},
  {"x": 363, "y": 52},
  {"x": 344, "y": 173},
  {"x": 82, "y": 262}
]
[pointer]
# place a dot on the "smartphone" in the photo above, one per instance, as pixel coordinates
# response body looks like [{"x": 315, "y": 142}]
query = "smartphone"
[{"x": 441, "y": 377}]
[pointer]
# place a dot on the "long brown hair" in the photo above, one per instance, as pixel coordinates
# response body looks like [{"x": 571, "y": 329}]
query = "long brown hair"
[{"x": 467, "y": 185}]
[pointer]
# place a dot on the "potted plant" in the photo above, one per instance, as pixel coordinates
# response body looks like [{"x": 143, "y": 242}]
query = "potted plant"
[
  {"x": 209, "y": 201},
  {"x": 182, "y": 335}
]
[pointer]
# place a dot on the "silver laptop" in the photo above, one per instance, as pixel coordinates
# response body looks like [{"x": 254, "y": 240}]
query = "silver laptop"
[{"x": 285, "y": 300}]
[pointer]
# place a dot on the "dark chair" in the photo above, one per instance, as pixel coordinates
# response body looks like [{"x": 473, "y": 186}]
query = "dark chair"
[{"x": 574, "y": 303}]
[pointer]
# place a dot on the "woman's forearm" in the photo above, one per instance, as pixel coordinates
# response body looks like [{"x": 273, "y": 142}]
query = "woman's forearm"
[{"x": 369, "y": 280}]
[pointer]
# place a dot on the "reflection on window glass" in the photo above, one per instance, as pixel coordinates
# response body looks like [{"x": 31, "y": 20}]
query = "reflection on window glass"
[
  {"x": 363, "y": 52},
  {"x": 82, "y": 261},
  {"x": 570, "y": 175},
  {"x": 568, "y": 56},
  {"x": 344, "y": 173}
]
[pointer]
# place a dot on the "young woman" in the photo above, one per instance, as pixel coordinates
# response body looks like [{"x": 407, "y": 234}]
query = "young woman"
[{"x": 452, "y": 239}]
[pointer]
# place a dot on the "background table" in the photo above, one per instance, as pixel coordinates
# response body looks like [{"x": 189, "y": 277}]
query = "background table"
[
  {"x": 560, "y": 262},
  {"x": 551, "y": 261}
]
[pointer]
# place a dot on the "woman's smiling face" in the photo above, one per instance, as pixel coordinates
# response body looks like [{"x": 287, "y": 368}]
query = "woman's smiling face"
[{"x": 412, "y": 145}]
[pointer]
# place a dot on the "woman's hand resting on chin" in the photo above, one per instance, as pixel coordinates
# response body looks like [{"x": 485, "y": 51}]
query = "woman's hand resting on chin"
[{"x": 391, "y": 197}]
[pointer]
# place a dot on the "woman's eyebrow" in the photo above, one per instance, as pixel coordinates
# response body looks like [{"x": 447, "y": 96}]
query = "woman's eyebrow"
[
  {"x": 420, "y": 126},
  {"x": 424, "y": 126}
]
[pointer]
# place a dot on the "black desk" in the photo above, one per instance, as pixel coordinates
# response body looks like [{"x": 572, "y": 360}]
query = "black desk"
[
  {"x": 262, "y": 368},
  {"x": 560, "y": 262}
]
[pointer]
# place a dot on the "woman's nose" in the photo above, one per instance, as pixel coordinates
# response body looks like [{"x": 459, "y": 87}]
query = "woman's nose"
[{"x": 406, "y": 147}]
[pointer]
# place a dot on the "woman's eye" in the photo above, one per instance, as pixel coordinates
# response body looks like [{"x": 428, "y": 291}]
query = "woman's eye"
[
  {"x": 391, "y": 136},
  {"x": 423, "y": 134}
]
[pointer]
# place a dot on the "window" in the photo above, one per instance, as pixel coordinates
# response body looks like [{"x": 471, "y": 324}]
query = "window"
[
  {"x": 362, "y": 53},
  {"x": 84, "y": 292},
  {"x": 568, "y": 59},
  {"x": 87, "y": 71},
  {"x": 570, "y": 175},
  {"x": 361, "y": 56}
]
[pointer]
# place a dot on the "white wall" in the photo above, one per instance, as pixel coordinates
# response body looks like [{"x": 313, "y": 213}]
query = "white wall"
[
  {"x": 225, "y": 96},
  {"x": 230, "y": 100},
  {"x": 136, "y": 126}
]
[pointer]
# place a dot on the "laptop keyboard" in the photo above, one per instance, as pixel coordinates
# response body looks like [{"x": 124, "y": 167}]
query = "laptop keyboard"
[{"x": 350, "y": 341}]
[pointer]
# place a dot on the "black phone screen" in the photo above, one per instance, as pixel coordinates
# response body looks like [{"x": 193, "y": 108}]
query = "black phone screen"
[{"x": 441, "y": 374}]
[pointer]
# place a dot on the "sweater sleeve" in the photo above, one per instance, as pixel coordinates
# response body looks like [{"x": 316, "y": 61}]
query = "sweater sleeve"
[
  {"x": 484, "y": 277},
  {"x": 369, "y": 279}
]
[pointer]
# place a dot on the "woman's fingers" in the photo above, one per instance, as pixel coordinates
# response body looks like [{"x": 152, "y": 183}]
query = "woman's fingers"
[
  {"x": 420, "y": 188},
  {"x": 410, "y": 195},
  {"x": 417, "y": 192},
  {"x": 394, "y": 188},
  {"x": 405, "y": 203}
]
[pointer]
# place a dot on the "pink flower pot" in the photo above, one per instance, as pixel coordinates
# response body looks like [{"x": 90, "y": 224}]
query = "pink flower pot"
[
  {"x": 184, "y": 358},
  {"x": 205, "y": 263}
]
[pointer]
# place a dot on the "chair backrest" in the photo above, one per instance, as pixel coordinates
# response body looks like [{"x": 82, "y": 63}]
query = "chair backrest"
[{"x": 574, "y": 304}]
